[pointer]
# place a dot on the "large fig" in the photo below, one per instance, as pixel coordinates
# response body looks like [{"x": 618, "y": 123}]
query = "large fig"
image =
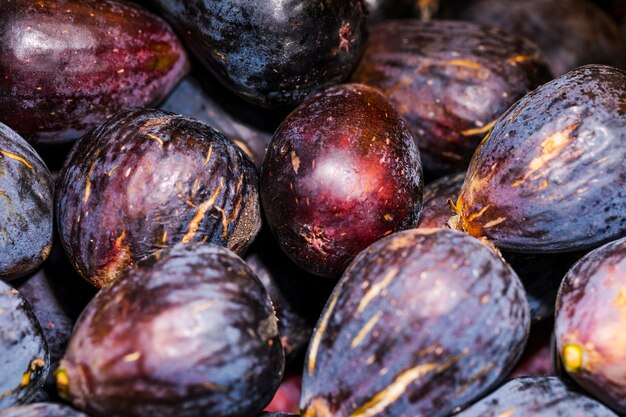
[{"x": 41, "y": 410}]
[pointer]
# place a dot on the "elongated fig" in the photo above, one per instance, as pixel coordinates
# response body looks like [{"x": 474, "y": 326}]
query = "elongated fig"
[
  {"x": 66, "y": 65},
  {"x": 190, "y": 331},
  {"x": 590, "y": 322},
  {"x": 148, "y": 179},
  {"x": 422, "y": 322},
  {"x": 450, "y": 80},
  {"x": 551, "y": 175},
  {"x": 26, "y": 206},
  {"x": 24, "y": 358},
  {"x": 341, "y": 172},
  {"x": 271, "y": 52},
  {"x": 536, "y": 397},
  {"x": 41, "y": 410}
]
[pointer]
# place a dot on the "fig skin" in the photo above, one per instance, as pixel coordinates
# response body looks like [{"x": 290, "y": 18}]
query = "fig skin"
[
  {"x": 341, "y": 171},
  {"x": 551, "y": 175},
  {"x": 422, "y": 322},
  {"x": 271, "y": 52},
  {"x": 148, "y": 179},
  {"x": 590, "y": 321},
  {"x": 189, "y": 332},
  {"x": 24, "y": 357},
  {"x": 26, "y": 206},
  {"x": 67, "y": 65},
  {"x": 41, "y": 410},
  {"x": 450, "y": 80},
  {"x": 534, "y": 397}
]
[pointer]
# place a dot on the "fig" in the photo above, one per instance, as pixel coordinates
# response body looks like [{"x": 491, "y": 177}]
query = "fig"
[
  {"x": 67, "y": 65},
  {"x": 341, "y": 171},
  {"x": 272, "y": 53},
  {"x": 589, "y": 323},
  {"x": 550, "y": 177},
  {"x": 537, "y": 357},
  {"x": 190, "y": 331},
  {"x": 148, "y": 179},
  {"x": 422, "y": 322},
  {"x": 26, "y": 206},
  {"x": 24, "y": 357},
  {"x": 41, "y": 410},
  {"x": 450, "y": 80}
]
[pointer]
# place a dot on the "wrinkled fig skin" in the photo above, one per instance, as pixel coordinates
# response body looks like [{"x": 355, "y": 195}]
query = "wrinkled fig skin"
[
  {"x": 536, "y": 397},
  {"x": 272, "y": 52},
  {"x": 422, "y": 322},
  {"x": 551, "y": 176},
  {"x": 590, "y": 321},
  {"x": 41, "y": 410},
  {"x": 24, "y": 358},
  {"x": 582, "y": 34},
  {"x": 67, "y": 65},
  {"x": 449, "y": 80},
  {"x": 341, "y": 172},
  {"x": 26, "y": 206},
  {"x": 148, "y": 179},
  {"x": 190, "y": 332}
]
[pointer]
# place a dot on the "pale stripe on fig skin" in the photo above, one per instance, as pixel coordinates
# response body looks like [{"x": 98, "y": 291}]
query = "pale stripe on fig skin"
[
  {"x": 317, "y": 336},
  {"x": 16, "y": 158}
]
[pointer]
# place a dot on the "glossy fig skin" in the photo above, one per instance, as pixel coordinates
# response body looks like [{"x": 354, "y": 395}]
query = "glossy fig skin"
[
  {"x": 551, "y": 176},
  {"x": 534, "y": 397},
  {"x": 450, "y": 80},
  {"x": 590, "y": 321},
  {"x": 148, "y": 179},
  {"x": 24, "y": 357},
  {"x": 437, "y": 196},
  {"x": 271, "y": 52},
  {"x": 422, "y": 322},
  {"x": 67, "y": 65},
  {"x": 41, "y": 410},
  {"x": 190, "y": 331},
  {"x": 26, "y": 206},
  {"x": 341, "y": 171},
  {"x": 570, "y": 33}
]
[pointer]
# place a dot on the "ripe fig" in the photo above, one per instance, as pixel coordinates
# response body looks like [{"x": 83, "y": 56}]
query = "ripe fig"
[
  {"x": 450, "y": 80},
  {"x": 341, "y": 171},
  {"x": 67, "y": 65},
  {"x": 26, "y": 206},
  {"x": 148, "y": 179},
  {"x": 189, "y": 332},
  {"x": 422, "y": 322},
  {"x": 41, "y": 410},
  {"x": 271, "y": 52},
  {"x": 551, "y": 175}
]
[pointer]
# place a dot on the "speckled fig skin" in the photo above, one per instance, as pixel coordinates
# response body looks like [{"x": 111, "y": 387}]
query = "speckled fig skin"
[
  {"x": 422, "y": 322},
  {"x": 272, "y": 52},
  {"x": 148, "y": 179},
  {"x": 26, "y": 206},
  {"x": 341, "y": 171},
  {"x": 536, "y": 397},
  {"x": 41, "y": 410},
  {"x": 67, "y": 65},
  {"x": 570, "y": 33},
  {"x": 590, "y": 320},
  {"x": 450, "y": 80},
  {"x": 24, "y": 358},
  {"x": 189, "y": 332},
  {"x": 551, "y": 175}
]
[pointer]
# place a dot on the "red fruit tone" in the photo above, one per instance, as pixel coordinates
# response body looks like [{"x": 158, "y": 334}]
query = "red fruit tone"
[{"x": 287, "y": 397}]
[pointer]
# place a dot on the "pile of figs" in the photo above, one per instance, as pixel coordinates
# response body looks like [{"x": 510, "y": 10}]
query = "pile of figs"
[{"x": 312, "y": 208}]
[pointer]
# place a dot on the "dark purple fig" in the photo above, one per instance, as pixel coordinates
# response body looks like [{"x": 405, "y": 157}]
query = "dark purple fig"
[
  {"x": 26, "y": 206},
  {"x": 341, "y": 172},
  {"x": 570, "y": 33},
  {"x": 450, "y": 81},
  {"x": 148, "y": 179},
  {"x": 589, "y": 325},
  {"x": 537, "y": 357},
  {"x": 270, "y": 415},
  {"x": 189, "y": 332},
  {"x": 41, "y": 410},
  {"x": 24, "y": 358},
  {"x": 380, "y": 10},
  {"x": 437, "y": 196},
  {"x": 273, "y": 53},
  {"x": 536, "y": 397},
  {"x": 422, "y": 322},
  {"x": 551, "y": 176},
  {"x": 67, "y": 65}
]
